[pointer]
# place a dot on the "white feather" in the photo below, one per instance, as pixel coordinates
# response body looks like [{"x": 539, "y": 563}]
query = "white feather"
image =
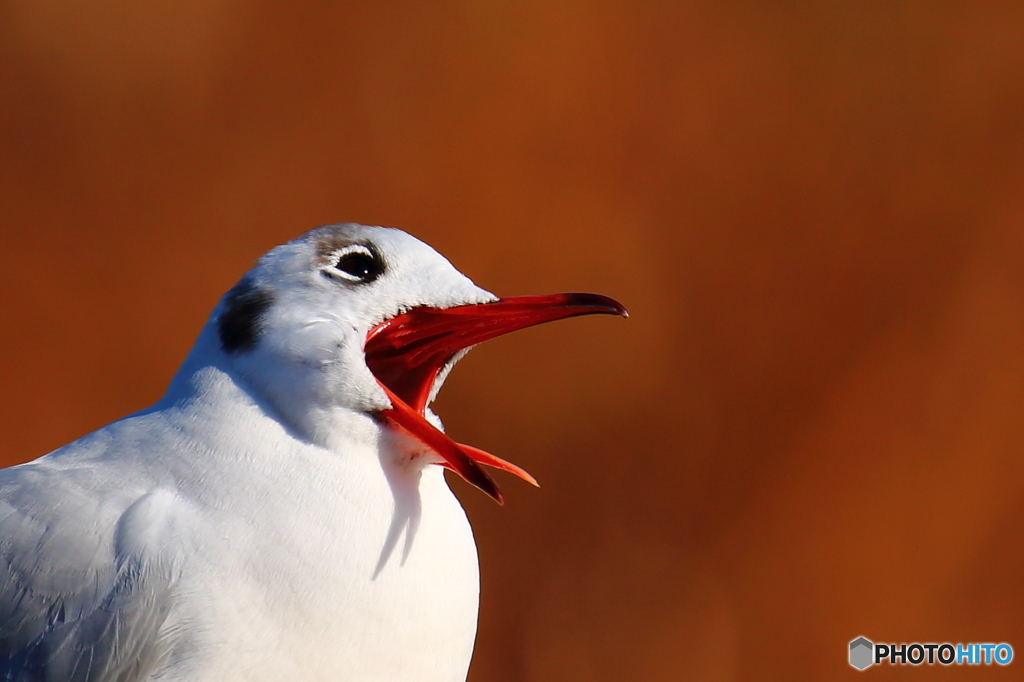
[{"x": 257, "y": 523}]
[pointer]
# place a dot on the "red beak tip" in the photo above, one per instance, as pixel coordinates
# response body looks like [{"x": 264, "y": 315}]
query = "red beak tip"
[
  {"x": 619, "y": 309},
  {"x": 496, "y": 496}
]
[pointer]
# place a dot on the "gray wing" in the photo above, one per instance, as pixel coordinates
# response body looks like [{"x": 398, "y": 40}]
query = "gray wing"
[{"x": 83, "y": 594}]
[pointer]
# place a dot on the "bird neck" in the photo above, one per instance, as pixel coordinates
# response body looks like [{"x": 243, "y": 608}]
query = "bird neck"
[{"x": 209, "y": 379}]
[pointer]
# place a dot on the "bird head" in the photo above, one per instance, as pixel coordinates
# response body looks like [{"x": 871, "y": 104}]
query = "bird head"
[{"x": 370, "y": 320}]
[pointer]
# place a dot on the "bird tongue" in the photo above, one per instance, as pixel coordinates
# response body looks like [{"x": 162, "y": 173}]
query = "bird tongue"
[{"x": 407, "y": 352}]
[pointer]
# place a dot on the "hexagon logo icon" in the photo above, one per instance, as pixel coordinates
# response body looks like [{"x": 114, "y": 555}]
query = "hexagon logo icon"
[{"x": 861, "y": 650}]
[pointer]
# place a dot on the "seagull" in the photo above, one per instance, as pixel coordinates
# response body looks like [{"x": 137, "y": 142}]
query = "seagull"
[{"x": 281, "y": 513}]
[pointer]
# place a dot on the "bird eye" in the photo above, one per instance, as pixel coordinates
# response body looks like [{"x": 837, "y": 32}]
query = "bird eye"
[{"x": 356, "y": 263}]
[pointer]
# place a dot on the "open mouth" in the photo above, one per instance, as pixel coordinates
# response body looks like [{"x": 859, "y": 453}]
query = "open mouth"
[{"x": 407, "y": 352}]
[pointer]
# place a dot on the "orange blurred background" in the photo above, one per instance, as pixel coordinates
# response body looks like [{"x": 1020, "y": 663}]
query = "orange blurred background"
[{"x": 811, "y": 427}]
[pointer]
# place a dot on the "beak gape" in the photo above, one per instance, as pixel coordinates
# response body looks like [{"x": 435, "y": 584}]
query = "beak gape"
[{"x": 406, "y": 353}]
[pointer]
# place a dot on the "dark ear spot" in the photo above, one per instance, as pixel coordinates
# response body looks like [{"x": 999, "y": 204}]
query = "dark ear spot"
[{"x": 241, "y": 321}]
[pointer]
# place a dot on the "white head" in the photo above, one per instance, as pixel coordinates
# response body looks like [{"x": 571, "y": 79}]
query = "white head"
[
  {"x": 295, "y": 325},
  {"x": 303, "y": 329}
]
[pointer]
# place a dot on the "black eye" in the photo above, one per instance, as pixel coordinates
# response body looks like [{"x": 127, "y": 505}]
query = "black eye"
[
  {"x": 356, "y": 263},
  {"x": 359, "y": 265}
]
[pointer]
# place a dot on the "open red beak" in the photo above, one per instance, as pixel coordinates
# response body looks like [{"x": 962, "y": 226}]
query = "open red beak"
[{"x": 407, "y": 352}]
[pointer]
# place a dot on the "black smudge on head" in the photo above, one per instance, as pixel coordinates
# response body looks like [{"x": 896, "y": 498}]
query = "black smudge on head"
[{"x": 241, "y": 321}]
